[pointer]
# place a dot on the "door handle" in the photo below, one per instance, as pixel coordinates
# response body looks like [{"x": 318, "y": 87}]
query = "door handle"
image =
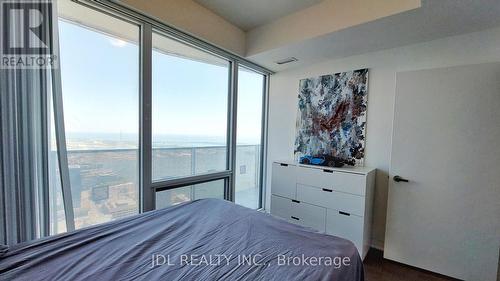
[{"x": 399, "y": 179}]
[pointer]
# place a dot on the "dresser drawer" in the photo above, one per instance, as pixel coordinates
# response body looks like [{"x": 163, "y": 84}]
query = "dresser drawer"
[
  {"x": 283, "y": 180},
  {"x": 349, "y": 227},
  {"x": 308, "y": 215},
  {"x": 328, "y": 198},
  {"x": 339, "y": 181},
  {"x": 281, "y": 207}
]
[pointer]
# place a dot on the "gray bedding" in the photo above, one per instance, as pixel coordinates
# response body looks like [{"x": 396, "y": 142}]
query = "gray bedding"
[{"x": 206, "y": 239}]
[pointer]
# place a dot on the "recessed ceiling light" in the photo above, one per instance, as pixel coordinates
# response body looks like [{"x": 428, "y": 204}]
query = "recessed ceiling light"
[{"x": 287, "y": 60}]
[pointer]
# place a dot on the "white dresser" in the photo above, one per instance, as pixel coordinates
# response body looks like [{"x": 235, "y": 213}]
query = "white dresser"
[{"x": 337, "y": 201}]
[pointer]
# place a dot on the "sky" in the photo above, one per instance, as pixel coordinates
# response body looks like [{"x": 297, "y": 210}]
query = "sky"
[{"x": 100, "y": 83}]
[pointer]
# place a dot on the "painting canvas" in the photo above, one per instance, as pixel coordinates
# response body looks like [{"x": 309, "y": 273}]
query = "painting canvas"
[{"x": 331, "y": 118}]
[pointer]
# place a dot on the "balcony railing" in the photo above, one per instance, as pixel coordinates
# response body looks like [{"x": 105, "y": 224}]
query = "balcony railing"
[{"x": 105, "y": 182}]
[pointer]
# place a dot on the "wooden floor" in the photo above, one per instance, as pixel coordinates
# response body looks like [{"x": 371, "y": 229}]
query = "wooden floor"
[{"x": 379, "y": 269}]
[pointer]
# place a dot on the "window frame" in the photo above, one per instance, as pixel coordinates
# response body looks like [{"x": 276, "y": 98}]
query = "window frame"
[
  {"x": 166, "y": 183},
  {"x": 147, "y": 187}
]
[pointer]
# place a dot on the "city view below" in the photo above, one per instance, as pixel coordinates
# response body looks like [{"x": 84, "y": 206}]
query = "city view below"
[{"x": 104, "y": 176}]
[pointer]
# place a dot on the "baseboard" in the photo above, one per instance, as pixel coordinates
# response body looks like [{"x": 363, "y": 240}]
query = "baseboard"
[{"x": 377, "y": 244}]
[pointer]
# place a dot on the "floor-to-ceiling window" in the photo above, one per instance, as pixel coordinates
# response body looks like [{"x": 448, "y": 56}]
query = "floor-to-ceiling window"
[
  {"x": 100, "y": 90},
  {"x": 189, "y": 118},
  {"x": 202, "y": 144},
  {"x": 249, "y": 138}
]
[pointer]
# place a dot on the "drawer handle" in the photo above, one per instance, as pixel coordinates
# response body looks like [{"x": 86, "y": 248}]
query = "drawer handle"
[
  {"x": 344, "y": 213},
  {"x": 295, "y": 218},
  {"x": 327, "y": 190},
  {"x": 327, "y": 171},
  {"x": 283, "y": 165},
  {"x": 295, "y": 201}
]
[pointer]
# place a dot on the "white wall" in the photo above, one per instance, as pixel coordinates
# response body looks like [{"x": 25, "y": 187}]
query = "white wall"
[{"x": 477, "y": 47}]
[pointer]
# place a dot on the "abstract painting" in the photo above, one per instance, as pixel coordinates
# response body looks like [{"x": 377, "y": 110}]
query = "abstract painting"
[{"x": 331, "y": 117}]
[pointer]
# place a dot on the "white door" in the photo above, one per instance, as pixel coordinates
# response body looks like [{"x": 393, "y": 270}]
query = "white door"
[{"x": 446, "y": 143}]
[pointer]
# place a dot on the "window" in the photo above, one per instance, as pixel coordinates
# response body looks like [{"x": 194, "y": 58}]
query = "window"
[
  {"x": 170, "y": 197},
  {"x": 100, "y": 88},
  {"x": 190, "y": 92},
  {"x": 115, "y": 150},
  {"x": 249, "y": 138}
]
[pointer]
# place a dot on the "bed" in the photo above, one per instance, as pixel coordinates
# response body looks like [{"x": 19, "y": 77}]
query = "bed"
[{"x": 208, "y": 239}]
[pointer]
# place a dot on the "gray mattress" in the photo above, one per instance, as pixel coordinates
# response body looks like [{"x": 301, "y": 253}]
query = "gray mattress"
[{"x": 206, "y": 239}]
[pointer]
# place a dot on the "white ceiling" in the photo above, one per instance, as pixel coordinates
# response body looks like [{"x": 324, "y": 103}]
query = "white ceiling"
[
  {"x": 247, "y": 14},
  {"x": 435, "y": 19}
]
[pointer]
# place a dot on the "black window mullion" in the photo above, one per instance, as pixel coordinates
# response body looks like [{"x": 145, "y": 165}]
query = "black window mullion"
[
  {"x": 145, "y": 117},
  {"x": 233, "y": 113}
]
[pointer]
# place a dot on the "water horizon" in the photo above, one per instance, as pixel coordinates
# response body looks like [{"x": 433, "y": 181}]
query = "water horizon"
[{"x": 102, "y": 141}]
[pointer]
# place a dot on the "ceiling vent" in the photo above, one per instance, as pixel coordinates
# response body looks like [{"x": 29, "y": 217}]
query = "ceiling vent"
[{"x": 287, "y": 60}]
